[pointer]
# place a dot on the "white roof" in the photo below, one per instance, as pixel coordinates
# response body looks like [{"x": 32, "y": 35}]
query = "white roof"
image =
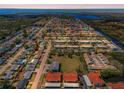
[
  {"x": 89, "y": 40},
  {"x": 74, "y": 46},
  {"x": 75, "y": 85},
  {"x": 65, "y": 46},
  {"x": 105, "y": 41},
  {"x": 86, "y": 45},
  {"x": 87, "y": 81},
  {"x": 32, "y": 61},
  {"x": 52, "y": 84},
  {"x": 102, "y": 46},
  {"x": 112, "y": 46},
  {"x": 77, "y": 40}
]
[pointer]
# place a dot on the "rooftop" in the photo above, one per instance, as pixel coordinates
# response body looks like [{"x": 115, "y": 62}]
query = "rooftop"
[
  {"x": 27, "y": 74},
  {"x": 52, "y": 84},
  {"x": 55, "y": 66},
  {"x": 74, "y": 85},
  {"x": 95, "y": 79},
  {"x": 87, "y": 81},
  {"x": 53, "y": 77},
  {"x": 70, "y": 77},
  {"x": 15, "y": 67},
  {"x": 118, "y": 85},
  {"x": 22, "y": 84}
]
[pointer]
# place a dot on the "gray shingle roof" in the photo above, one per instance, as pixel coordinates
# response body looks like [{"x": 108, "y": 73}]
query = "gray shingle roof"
[
  {"x": 54, "y": 66},
  {"x": 30, "y": 67},
  {"x": 15, "y": 67},
  {"x": 8, "y": 75},
  {"x": 27, "y": 74},
  {"x": 22, "y": 84},
  {"x": 87, "y": 81}
]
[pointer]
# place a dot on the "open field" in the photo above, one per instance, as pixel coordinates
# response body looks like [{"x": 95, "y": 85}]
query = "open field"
[{"x": 68, "y": 64}]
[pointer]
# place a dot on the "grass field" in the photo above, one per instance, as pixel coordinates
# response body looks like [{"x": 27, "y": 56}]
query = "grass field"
[{"x": 68, "y": 64}]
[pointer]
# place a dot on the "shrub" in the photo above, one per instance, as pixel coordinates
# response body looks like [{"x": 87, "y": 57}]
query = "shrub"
[{"x": 109, "y": 73}]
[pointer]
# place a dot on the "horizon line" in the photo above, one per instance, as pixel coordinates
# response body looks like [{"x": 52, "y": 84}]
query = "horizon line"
[{"x": 62, "y": 6}]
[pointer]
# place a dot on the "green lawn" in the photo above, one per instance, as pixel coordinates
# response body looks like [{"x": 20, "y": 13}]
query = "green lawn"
[{"x": 68, "y": 64}]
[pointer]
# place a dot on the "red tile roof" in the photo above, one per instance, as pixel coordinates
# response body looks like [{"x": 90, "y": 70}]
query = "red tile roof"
[
  {"x": 95, "y": 79},
  {"x": 72, "y": 31},
  {"x": 118, "y": 85},
  {"x": 53, "y": 76},
  {"x": 70, "y": 77},
  {"x": 46, "y": 38}
]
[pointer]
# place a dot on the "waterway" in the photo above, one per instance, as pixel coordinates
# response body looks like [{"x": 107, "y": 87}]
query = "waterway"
[
  {"x": 114, "y": 40},
  {"x": 85, "y": 16}
]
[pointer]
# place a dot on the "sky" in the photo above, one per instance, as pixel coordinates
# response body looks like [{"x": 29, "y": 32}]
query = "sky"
[{"x": 63, "y": 6}]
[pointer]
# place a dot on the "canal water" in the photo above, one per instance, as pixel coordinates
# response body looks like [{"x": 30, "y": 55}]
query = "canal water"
[{"x": 114, "y": 40}]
